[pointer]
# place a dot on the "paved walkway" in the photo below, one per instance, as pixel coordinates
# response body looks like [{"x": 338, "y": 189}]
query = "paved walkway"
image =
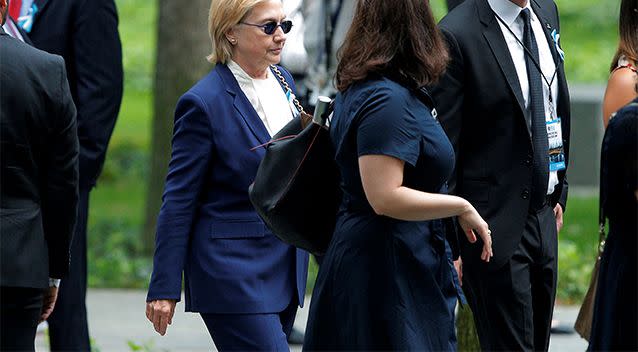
[{"x": 117, "y": 322}]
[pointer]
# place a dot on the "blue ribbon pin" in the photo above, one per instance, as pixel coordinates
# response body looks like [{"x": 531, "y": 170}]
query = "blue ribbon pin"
[{"x": 556, "y": 37}]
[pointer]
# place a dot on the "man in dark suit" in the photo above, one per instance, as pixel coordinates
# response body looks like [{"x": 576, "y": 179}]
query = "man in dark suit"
[
  {"x": 38, "y": 186},
  {"x": 85, "y": 34},
  {"x": 510, "y": 131}
]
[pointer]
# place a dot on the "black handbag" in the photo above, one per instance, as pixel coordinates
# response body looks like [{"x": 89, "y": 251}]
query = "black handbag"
[{"x": 296, "y": 190}]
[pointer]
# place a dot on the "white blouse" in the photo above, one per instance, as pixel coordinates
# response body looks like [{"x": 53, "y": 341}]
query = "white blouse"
[{"x": 266, "y": 96}]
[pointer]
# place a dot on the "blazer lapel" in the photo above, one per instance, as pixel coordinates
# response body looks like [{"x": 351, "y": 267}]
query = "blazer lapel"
[
  {"x": 548, "y": 27},
  {"x": 242, "y": 105},
  {"x": 494, "y": 36}
]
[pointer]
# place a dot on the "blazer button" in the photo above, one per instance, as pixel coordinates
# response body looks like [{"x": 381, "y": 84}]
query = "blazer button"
[
  {"x": 525, "y": 194},
  {"x": 528, "y": 162}
]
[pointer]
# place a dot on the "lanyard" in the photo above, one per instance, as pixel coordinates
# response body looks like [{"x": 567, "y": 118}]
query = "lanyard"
[{"x": 538, "y": 66}]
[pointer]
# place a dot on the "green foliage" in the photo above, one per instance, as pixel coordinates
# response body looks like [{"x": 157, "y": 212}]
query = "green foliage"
[
  {"x": 577, "y": 248},
  {"x": 313, "y": 270},
  {"x": 138, "y": 33},
  {"x": 466, "y": 331},
  {"x": 94, "y": 346},
  {"x": 115, "y": 256},
  {"x": 589, "y": 37},
  {"x": 148, "y": 346},
  {"x": 126, "y": 161}
]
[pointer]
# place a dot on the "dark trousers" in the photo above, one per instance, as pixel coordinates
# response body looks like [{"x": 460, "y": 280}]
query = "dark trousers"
[
  {"x": 513, "y": 305},
  {"x": 68, "y": 327},
  {"x": 20, "y": 310},
  {"x": 251, "y": 332}
]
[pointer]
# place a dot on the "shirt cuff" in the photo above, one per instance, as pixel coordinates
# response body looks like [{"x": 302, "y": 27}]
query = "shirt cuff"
[{"x": 54, "y": 282}]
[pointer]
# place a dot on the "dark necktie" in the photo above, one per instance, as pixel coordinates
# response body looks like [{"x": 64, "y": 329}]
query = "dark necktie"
[{"x": 537, "y": 112}]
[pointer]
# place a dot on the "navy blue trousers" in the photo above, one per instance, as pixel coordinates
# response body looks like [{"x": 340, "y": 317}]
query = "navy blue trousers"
[{"x": 251, "y": 332}]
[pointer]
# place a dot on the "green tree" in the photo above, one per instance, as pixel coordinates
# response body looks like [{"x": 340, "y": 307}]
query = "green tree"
[{"x": 182, "y": 46}]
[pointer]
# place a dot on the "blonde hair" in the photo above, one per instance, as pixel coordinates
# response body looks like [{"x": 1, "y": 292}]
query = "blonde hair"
[{"x": 223, "y": 15}]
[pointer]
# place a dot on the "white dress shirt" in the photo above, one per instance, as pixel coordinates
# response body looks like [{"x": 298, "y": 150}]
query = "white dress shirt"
[
  {"x": 510, "y": 14},
  {"x": 266, "y": 96},
  {"x": 11, "y": 29}
]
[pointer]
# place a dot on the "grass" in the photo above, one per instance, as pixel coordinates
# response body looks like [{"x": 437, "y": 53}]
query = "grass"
[
  {"x": 117, "y": 204},
  {"x": 577, "y": 248}
]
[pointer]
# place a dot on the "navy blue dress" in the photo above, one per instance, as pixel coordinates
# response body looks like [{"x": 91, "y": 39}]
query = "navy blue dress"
[
  {"x": 385, "y": 284},
  {"x": 615, "y": 322}
]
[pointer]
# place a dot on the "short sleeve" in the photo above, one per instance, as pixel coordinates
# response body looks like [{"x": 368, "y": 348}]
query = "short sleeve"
[{"x": 388, "y": 127}]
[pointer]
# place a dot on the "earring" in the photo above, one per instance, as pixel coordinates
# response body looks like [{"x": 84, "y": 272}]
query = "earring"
[{"x": 232, "y": 41}]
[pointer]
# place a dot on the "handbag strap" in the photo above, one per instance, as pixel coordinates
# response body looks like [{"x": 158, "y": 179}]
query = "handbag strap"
[
  {"x": 602, "y": 218},
  {"x": 283, "y": 81}
]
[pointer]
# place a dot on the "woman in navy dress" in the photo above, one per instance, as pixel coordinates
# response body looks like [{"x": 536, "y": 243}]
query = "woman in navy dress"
[
  {"x": 387, "y": 281},
  {"x": 615, "y": 322}
]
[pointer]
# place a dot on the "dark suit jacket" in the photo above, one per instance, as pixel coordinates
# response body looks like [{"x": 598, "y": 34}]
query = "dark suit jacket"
[
  {"x": 39, "y": 159},
  {"x": 481, "y": 108},
  {"x": 452, "y": 4},
  {"x": 84, "y": 33},
  {"x": 207, "y": 226}
]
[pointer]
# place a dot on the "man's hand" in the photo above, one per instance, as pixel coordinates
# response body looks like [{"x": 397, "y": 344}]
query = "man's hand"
[
  {"x": 48, "y": 303},
  {"x": 458, "y": 265},
  {"x": 160, "y": 313},
  {"x": 558, "y": 214}
]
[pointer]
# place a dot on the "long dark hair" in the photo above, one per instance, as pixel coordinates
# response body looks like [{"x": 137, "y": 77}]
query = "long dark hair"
[
  {"x": 396, "y": 38},
  {"x": 628, "y": 30}
]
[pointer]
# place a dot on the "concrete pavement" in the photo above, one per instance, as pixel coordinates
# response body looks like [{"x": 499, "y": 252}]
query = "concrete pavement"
[{"x": 117, "y": 323}]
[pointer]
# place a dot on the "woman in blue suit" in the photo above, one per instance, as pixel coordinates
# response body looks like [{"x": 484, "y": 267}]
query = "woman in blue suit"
[{"x": 245, "y": 283}]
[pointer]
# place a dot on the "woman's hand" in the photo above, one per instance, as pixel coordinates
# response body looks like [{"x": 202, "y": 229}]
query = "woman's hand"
[
  {"x": 160, "y": 313},
  {"x": 472, "y": 223}
]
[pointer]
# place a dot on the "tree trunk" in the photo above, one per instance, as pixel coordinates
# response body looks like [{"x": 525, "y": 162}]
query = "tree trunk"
[
  {"x": 182, "y": 46},
  {"x": 465, "y": 331}
]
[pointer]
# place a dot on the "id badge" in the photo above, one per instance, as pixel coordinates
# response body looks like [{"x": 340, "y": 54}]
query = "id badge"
[{"x": 556, "y": 151}]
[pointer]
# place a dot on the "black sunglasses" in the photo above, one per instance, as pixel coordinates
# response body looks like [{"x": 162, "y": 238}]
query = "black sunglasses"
[{"x": 270, "y": 27}]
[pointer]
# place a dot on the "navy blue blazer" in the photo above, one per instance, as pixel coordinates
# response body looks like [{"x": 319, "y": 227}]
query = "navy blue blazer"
[{"x": 207, "y": 227}]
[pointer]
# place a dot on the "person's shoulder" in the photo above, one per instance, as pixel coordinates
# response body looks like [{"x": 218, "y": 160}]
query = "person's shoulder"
[
  {"x": 629, "y": 111},
  {"x": 20, "y": 52},
  {"x": 623, "y": 126},
  {"x": 546, "y": 4},
  {"x": 208, "y": 86},
  {"x": 461, "y": 19},
  {"x": 30, "y": 62},
  {"x": 376, "y": 94},
  {"x": 378, "y": 87},
  {"x": 622, "y": 78}
]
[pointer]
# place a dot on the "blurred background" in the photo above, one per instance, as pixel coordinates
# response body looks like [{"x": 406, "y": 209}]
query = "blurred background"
[{"x": 123, "y": 206}]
